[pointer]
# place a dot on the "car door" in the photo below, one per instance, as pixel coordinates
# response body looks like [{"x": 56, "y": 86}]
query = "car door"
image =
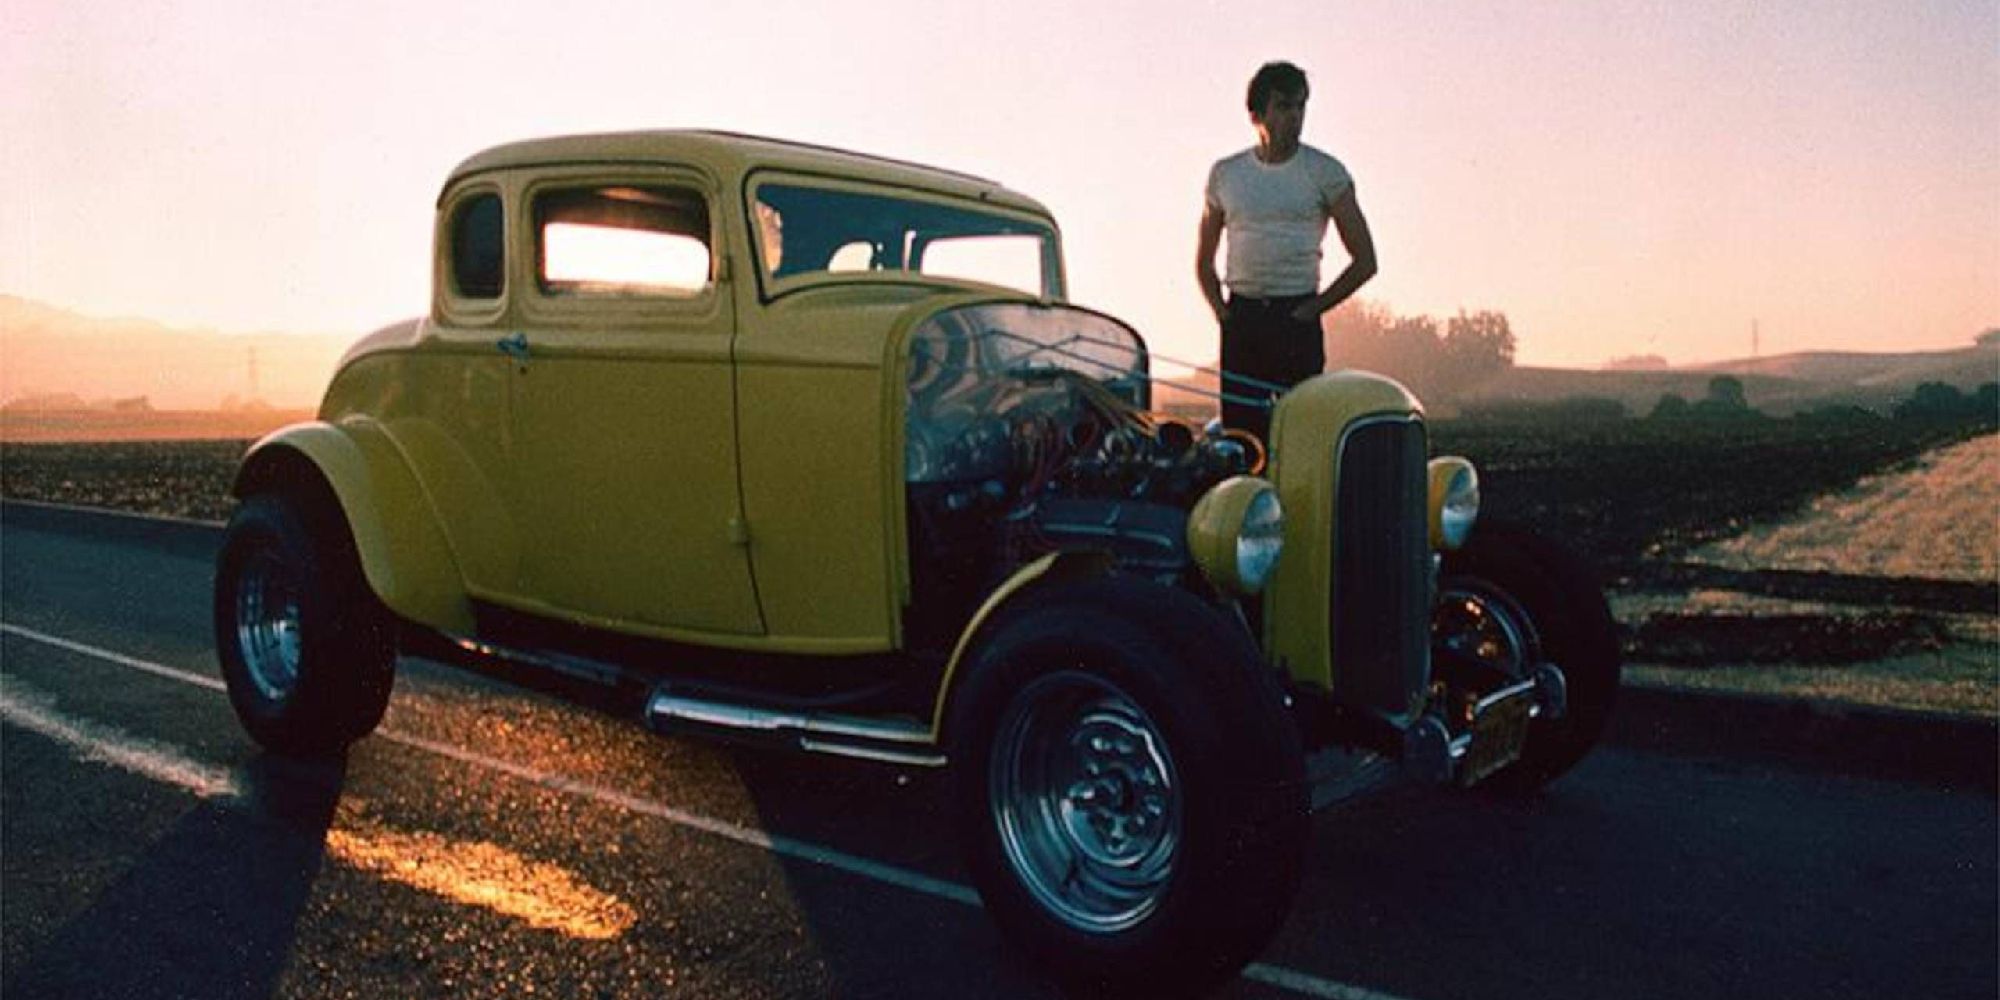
[{"x": 624, "y": 485}]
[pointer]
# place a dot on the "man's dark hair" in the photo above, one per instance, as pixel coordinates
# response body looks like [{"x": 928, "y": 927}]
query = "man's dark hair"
[{"x": 1275, "y": 77}]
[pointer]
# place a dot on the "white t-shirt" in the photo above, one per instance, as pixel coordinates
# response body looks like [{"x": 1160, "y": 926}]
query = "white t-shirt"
[{"x": 1274, "y": 215}]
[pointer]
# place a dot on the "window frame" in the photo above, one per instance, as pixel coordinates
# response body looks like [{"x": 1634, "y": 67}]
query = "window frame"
[
  {"x": 451, "y": 304},
  {"x": 771, "y": 287},
  {"x": 612, "y": 309}
]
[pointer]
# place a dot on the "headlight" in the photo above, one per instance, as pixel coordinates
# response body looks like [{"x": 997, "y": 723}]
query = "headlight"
[
  {"x": 1236, "y": 532},
  {"x": 1454, "y": 488}
]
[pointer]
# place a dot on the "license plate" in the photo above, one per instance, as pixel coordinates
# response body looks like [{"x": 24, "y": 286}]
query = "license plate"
[{"x": 1497, "y": 735}]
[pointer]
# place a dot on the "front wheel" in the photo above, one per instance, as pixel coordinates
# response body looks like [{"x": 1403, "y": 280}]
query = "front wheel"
[
  {"x": 1129, "y": 787},
  {"x": 1514, "y": 600},
  {"x": 307, "y": 652}
]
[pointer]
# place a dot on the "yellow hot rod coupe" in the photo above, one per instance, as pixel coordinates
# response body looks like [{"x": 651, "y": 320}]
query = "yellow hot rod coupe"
[{"x": 808, "y": 447}]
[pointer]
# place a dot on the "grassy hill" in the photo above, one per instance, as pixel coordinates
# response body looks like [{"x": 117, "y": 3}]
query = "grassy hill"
[{"x": 1779, "y": 385}]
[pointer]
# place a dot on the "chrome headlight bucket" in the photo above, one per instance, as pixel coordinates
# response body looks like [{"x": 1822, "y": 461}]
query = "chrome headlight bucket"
[
  {"x": 1454, "y": 501},
  {"x": 1236, "y": 533}
]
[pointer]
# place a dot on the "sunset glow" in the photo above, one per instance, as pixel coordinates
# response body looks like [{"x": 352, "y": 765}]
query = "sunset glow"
[
  {"x": 631, "y": 258},
  {"x": 1623, "y": 178}
]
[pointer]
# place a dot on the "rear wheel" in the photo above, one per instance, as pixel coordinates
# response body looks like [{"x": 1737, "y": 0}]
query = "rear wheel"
[
  {"x": 307, "y": 651},
  {"x": 1130, "y": 788},
  {"x": 1514, "y": 600}
]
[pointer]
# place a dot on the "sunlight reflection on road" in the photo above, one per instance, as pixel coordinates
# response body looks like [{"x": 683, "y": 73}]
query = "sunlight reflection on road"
[
  {"x": 476, "y": 873},
  {"x": 471, "y": 873}
]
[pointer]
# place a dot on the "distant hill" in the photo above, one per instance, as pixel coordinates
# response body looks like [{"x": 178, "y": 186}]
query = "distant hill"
[
  {"x": 47, "y": 354},
  {"x": 1965, "y": 367},
  {"x": 1780, "y": 385}
]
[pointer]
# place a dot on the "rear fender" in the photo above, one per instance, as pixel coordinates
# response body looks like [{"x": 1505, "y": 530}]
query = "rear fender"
[
  {"x": 1051, "y": 568},
  {"x": 404, "y": 553}
]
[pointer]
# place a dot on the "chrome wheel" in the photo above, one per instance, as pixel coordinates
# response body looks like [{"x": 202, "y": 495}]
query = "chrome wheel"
[
  {"x": 1084, "y": 793},
  {"x": 1475, "y": 620},
  {"x": 267, "y": 625}
]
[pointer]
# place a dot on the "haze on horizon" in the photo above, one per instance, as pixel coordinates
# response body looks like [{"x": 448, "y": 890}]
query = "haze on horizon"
[{"x": 1627, "y": 178}]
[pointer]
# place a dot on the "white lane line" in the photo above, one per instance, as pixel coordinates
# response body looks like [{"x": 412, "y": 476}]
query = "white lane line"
[
  {"x": 1270, "y": 975},
  {"x": 786, "y": 846},
  {"x": 73, "y": 508},
  {"x": 158, "y": 670},
  {"x": 34, "y": 712}
]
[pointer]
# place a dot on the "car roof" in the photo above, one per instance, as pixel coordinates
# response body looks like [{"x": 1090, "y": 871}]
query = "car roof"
[{"x": 734, "y": 155}]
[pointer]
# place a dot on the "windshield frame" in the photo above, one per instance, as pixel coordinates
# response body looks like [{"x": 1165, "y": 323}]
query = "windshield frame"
[{"x": 771, "y": 287}]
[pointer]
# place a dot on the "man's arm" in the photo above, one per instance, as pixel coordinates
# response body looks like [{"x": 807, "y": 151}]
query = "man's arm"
[
  {"x": 1205, "y": 243},
  {"x": 1360, "y": 244}
]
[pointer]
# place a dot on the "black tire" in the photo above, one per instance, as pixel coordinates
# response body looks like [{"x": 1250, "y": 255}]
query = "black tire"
[
  {"x": 307, "y": 651},
  {"x": 1127, "y": 657},
  {"x": 1556, "y": 603}
]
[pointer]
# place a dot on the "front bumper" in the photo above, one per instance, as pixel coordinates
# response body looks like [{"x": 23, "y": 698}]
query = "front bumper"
[{"x": 1430, "y": 751}]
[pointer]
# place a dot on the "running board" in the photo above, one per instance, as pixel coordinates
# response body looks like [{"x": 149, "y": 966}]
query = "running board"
[
  {"x": 1336, "y": 776},
  {"x": 572, "y": 667},
  {"x": 888, "y": 742}
]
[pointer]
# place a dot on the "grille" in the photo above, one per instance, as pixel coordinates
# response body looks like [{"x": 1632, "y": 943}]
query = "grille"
[{"x": 1381, "y": 593}]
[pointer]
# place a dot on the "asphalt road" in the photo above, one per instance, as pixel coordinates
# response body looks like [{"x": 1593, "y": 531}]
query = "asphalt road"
[{"x": 492, "y": 842}]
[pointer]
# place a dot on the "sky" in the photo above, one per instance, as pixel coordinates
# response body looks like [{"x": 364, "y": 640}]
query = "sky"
[{"x": 1618, "y": 177}]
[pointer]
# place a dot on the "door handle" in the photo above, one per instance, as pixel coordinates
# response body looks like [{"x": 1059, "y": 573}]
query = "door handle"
[{"x": 514, "y": 345}]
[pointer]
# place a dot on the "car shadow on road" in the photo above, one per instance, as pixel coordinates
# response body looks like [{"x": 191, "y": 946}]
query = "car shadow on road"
[
  {"x": 216, "y": 899},
  {"x": 882, "y": 940}
]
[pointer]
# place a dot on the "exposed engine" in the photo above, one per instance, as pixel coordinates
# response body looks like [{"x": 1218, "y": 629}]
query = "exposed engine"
[{"x": 1028, "y": 432}]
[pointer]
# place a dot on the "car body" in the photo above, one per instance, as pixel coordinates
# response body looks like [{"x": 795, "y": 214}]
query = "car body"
[{"x": 807, "y": 446}]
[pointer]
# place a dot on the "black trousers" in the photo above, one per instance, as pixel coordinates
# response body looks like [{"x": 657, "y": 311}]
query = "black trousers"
[{"x": 1262, "y": 341}]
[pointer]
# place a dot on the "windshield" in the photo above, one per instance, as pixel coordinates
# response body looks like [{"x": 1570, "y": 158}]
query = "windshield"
[{"x": 808, "y": 230}]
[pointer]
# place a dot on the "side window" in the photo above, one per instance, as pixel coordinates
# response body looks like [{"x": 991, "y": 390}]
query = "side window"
[
  {"x": 477, "y": 242},
  {"x": 622, "y": 240}
]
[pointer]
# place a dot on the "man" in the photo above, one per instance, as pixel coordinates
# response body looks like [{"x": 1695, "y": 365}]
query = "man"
[{"x": 1274, "y": 200}]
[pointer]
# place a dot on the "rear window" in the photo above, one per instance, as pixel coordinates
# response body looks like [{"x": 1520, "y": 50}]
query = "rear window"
[
  {"x": 477, "y": 254},
  {"x": 622, "y": 240}
]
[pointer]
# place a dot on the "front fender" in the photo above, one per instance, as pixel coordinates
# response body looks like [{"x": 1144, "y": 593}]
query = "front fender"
[
  {"x": 1049, "y": 568},
  {"x": 404, "y": 553}
]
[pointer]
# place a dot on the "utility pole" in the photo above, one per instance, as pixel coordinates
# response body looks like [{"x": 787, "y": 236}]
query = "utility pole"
[{"x": 1753, "y": 339}]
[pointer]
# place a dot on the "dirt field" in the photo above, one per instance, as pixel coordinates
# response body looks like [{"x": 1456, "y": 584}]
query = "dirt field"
[
  {"x": 147, "y": 425},
  {"x": 188, "y": 479},
  {"x": 1934, "y": 518},
  {"x": 1939, "y": 519}
]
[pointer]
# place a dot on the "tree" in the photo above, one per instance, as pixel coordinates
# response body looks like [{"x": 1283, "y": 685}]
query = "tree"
[
  {"x": 1725, "y": 392},
  {"x": 1933, "y": 400},
  {"x": 1672, "y": 406},
  {"x": 1725, "y": 401},
  {"x": 1357, "y": 336},
  {"x": 1413, "y": 350},
  {"x": 1477, "y": 346}
]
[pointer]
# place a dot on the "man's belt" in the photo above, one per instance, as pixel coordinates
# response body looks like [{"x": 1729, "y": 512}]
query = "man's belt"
[{"x": 1286, "y": 302}]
